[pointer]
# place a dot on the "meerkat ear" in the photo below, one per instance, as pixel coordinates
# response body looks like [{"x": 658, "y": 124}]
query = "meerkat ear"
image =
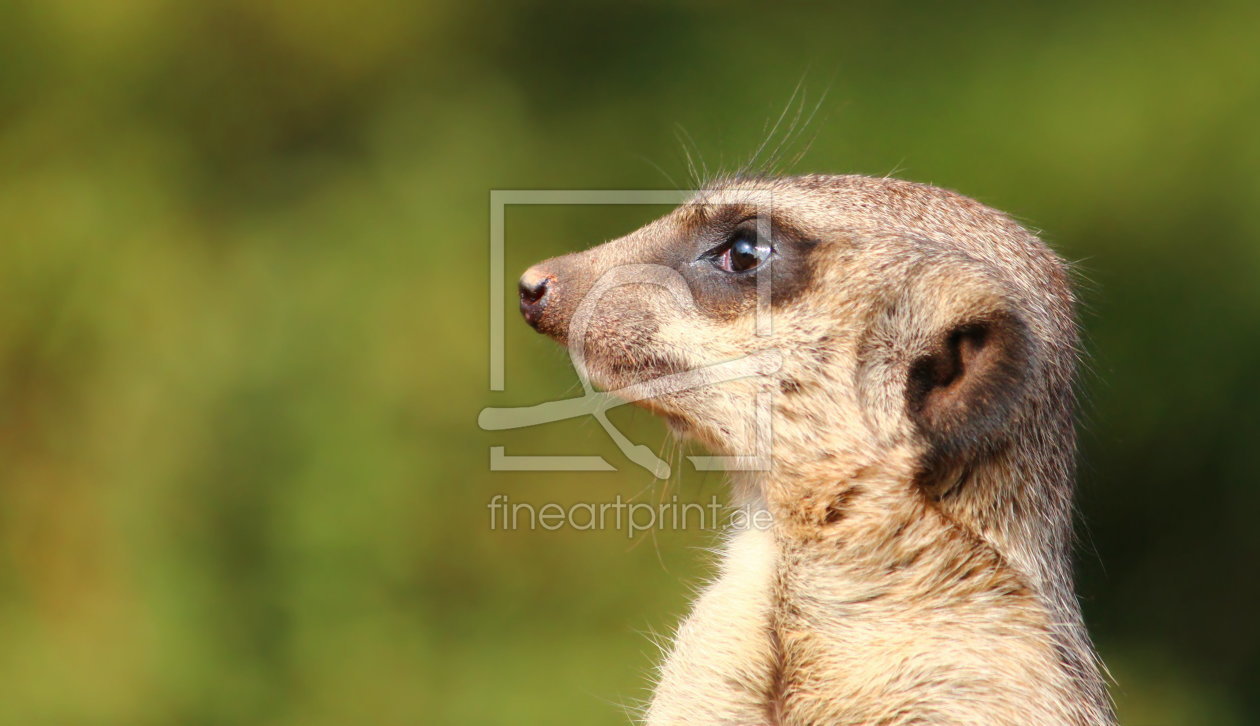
[{"x": 961, "y": 393}]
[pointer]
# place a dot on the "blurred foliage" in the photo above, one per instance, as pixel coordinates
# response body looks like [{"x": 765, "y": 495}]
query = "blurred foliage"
[{"x": 243, "y": 338}]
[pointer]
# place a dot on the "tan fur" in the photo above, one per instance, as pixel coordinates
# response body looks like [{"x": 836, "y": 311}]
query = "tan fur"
[{"x": 917, "y": 570}]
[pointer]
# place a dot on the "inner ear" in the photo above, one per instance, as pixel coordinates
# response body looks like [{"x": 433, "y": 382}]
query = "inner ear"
[{"x": 962, "y": 392}]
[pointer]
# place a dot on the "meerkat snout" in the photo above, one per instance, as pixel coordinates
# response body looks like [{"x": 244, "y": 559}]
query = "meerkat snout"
[{"x": 533, "y": 288}]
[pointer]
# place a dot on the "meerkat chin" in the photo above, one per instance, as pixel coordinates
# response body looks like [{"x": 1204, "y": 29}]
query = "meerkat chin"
[{"x": 921, "y": 451}]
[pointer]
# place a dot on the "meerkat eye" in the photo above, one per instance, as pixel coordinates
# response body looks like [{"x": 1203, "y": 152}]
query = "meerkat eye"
[{"x": 741, "y": 253}]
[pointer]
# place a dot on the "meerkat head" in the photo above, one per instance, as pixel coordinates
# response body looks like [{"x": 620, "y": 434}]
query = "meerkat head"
[{"x": 880, "y": 325}]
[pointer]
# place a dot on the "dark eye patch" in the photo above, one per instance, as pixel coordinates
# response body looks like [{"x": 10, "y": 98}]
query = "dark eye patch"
[{"x": 723, "y": 295}]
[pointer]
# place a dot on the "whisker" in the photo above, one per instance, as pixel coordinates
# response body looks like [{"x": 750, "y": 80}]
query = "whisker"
[{"x": 752, "y": 162}]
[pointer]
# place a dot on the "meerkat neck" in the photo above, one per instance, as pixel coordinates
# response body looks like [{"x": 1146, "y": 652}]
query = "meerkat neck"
[
  {"x": 1021, "y": 506},
  {"x": 871, "y": 576}
]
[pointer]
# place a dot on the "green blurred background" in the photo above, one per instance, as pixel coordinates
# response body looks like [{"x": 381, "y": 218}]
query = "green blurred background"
[{"x": 243, "y": 338}]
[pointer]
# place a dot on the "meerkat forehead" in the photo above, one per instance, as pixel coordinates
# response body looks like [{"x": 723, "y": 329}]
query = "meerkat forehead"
[{"x": 883, "y": 207}]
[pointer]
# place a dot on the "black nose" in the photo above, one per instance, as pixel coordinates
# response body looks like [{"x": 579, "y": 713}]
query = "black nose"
[{"x": 534, "y": 287}]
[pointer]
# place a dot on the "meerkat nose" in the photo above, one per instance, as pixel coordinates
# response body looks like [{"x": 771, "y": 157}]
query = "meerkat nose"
[{"x": 534, "y": 286}]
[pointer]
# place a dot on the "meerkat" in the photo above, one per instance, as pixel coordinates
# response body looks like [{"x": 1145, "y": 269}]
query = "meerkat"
[{"x": 916, "y": 567}]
